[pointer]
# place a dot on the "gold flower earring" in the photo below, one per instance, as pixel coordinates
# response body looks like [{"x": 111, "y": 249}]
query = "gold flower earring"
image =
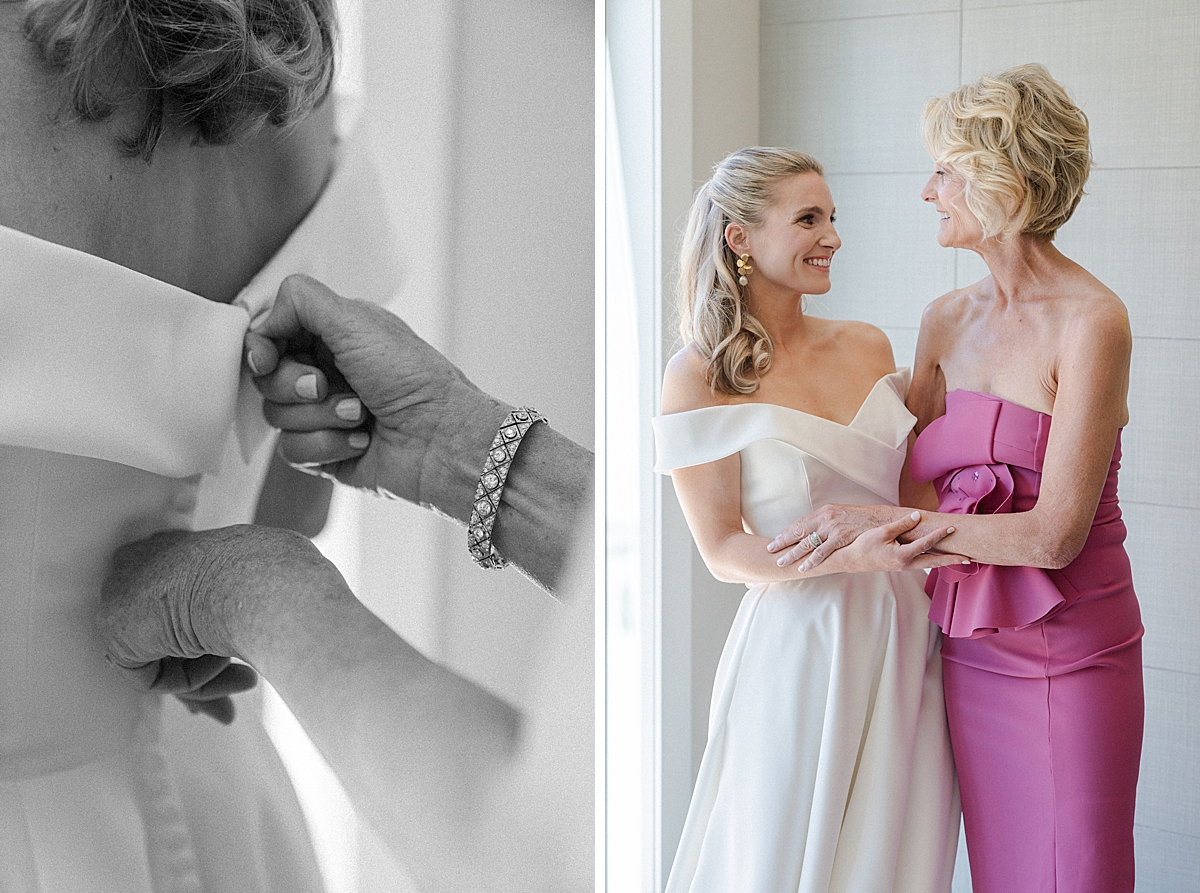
[{"x": 744, "y": 269}]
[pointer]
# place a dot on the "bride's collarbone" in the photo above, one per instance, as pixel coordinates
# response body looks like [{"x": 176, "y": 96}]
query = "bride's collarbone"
[{"x": 820, "y": 393}]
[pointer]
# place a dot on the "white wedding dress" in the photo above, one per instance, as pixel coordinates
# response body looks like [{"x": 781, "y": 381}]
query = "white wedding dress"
[
  {"x": 123, "y": 412},
  {"x": 828, "y": 763}
]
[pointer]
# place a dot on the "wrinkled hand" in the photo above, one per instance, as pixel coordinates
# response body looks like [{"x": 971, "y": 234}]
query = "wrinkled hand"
[
  {"x": 879, "y": 527},
  {"x": 172, "y": 606},
  {"x": 879, "y": 548},
  {"x": 358, "y": 395}
]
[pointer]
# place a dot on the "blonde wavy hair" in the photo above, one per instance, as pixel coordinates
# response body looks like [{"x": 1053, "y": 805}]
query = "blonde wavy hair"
[
  {"x": 219, "y": 68},
  {"x": 1020, "y": 144},
  {"x": 712, "y": 314}
]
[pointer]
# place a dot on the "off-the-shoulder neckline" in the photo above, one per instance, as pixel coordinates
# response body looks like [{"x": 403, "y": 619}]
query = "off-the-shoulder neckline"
[
  {"x": 104, "y": 262},
  {"x": 791, "y": 409}
]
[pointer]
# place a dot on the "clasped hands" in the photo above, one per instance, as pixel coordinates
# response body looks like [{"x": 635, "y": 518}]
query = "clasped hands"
[{"x": 861, "y": 538}]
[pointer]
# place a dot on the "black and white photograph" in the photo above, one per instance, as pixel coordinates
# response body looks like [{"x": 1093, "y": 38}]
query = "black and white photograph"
[{"x": 297, "y": 349}]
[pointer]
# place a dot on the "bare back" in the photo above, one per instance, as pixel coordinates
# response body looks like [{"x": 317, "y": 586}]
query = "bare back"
[{"x": 203, "y": 218}]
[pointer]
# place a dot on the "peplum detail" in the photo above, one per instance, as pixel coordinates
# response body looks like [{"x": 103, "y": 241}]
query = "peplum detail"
[{"x": 985, "y": 457}]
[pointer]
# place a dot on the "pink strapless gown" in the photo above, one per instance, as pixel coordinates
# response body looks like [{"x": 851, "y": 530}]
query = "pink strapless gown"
[{"x": 1042, "y": 669}]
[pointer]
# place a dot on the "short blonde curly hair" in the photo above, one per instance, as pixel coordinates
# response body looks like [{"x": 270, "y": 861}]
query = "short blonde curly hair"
[
  {"x": 224, "y": 68},
  {"x": 1020, "y": 144}
]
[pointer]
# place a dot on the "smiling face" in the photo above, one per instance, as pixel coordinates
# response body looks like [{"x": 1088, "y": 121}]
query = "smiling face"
[
  {"x": 959, "y": 227},
  {"x": 792, "y": 247}
]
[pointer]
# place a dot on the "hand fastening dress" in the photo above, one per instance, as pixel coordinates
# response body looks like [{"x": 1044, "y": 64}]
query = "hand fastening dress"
[{"x": 123, "y": 412}]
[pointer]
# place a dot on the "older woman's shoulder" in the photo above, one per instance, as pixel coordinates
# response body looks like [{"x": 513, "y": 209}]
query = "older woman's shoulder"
[
  {"x": 1098, "y": 312},
  {"x": 951, "y": 308}
]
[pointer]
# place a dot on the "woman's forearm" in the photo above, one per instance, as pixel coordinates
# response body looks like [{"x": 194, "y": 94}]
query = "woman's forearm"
[
  {"x": 417, "y": 747},
  {"x": 1029, "y": 539},
  {"x": 548, "y": 491},
  {"x": 743, "y": 558}
]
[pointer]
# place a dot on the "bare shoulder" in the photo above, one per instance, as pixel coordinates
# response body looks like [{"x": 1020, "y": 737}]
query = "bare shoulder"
[
  {"x": 866, "y": 344},
  {"x": 1098, "y": 315},
  {"x": 943, "y": 319},
  {"x": 949, "y": 310},
  {"x": 684, "y": 384}
]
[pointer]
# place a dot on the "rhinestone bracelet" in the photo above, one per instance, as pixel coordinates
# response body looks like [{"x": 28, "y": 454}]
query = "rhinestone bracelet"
[{"x": 491, "y": 486}]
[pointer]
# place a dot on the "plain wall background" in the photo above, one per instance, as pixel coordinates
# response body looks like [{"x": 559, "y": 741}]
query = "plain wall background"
[{"x": 847, "y": 82}]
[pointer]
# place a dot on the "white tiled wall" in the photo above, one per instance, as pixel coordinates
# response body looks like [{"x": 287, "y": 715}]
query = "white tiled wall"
[{"x": 847, "y": 81}]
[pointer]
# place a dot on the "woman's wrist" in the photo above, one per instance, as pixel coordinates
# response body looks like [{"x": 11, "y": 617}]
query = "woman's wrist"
[
  {"x": 549, "y": 482},
  {"x": 455, "y": 453}
]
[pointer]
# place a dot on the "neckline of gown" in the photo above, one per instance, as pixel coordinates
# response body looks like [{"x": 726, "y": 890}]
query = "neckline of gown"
[
  {"x": 801, "y": 412},
  {"x": 169, "y": 364},
  {"x": 80, "y": 256}
]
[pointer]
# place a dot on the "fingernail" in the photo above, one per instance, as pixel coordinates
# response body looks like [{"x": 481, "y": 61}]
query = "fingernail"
[
  {"x": 772, "y": 546},
  {"x": 949, "y": 530},
  {"x": 306, "y": 386},
  {"x": 916, "y": 516},
  {"x": 250, "y": 361},
  {"x": 804, "y": 565},
  {"x": 779, "y": 561},
  {"x": 349, "y": 409},
  {"x": 359, "y": 440},
  {"x": 966, "y": 561}
]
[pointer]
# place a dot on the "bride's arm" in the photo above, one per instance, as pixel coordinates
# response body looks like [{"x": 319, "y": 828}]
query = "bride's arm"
[
  {"x": 710, "y": 496},
  {"x": 711, "y": 500}
]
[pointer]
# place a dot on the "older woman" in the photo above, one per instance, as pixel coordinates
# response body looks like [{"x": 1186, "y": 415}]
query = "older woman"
[{"x": 1020, "y": 392}]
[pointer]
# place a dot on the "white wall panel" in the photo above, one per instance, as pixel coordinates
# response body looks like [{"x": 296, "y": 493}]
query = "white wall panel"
[
  {"x": 969, "y": 268},
  {"x": 962, "y": 866},
  {"x": 780, "y": 11},
  {"x": 987, "y": 4},
  {"x": 851, "y": 92},
  {"x": 1167, "y": 862},
  {"x": 1169, "y": 785},
  {"x": 1136, "y": 231},
  {"x": 904, "y": 344},
  {"x": 1166, "y": 566},
  {"x": 1134, "y": 71},
  {"x": 1162, "y": 452},
  {"x": 890, "y": 264}
]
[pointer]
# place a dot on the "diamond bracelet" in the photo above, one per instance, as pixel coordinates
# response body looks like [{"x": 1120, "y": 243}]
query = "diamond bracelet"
[{"x": 491, "y": 486}]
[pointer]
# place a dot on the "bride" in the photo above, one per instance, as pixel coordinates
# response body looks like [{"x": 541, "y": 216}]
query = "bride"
[
  {"x": 137, "y": 242},
  {"x": 828, "y": 764}
]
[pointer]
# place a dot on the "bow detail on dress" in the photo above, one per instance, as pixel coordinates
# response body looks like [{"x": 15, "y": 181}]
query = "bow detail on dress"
[
  {"x": 976, "y": 489},
  {"x": 985, "y": 457}
]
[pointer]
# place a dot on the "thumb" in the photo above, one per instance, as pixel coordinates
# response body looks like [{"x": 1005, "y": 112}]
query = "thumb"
[
  {"x": 302, "y": 305},
  {"x": 260, "y": 353}
]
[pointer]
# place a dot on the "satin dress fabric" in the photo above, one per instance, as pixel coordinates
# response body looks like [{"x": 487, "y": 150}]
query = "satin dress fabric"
[
  {"x": 1043, "y": 669},
  {"x": 123, "y": 411},
  {"x": 828, "y": 766}
]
